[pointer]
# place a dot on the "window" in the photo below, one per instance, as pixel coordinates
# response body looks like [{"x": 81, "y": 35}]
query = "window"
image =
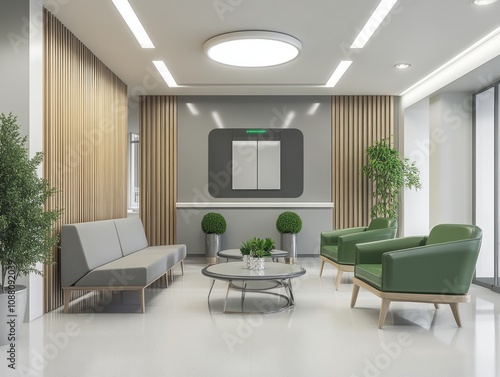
[{"x": 487, "y": 184}]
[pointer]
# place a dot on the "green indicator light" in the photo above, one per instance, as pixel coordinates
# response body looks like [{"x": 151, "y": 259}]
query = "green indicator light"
[{"x": 256, "y": 131}]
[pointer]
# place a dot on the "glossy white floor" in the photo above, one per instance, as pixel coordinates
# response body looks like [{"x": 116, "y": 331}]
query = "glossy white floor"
[{"x": 321, "y": 336}]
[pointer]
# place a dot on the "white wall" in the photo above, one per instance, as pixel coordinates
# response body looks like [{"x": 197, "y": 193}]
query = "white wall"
[
  {"x": 450, "y": 152},
  {"x": 416, "y": 148},
  {"x": 21, "y": 80}
]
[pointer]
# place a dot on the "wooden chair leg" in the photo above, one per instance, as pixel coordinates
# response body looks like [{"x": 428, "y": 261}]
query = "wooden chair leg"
[
  {"x": 354, "y": 297},
  {"x": 384, "y": 308},
  {"x": 338, "y": 279},
  {"x": 321, "y": 269},
  {"x": 67, "y": 299},
  {"x": 456, "y": 314}
]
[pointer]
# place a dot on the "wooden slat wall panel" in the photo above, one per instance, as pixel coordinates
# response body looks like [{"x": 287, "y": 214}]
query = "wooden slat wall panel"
[
  {"x": 85, "y": 138},
  {"x": 158, "y": 168},
  {"x": 357, "y": 122}
]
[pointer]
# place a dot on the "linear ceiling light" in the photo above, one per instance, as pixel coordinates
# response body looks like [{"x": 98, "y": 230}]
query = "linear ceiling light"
[
  {"x": 373, "y": 23},
  {"x": 484, "y": 2},
  {"x": 338, "y": 73},
  {"x": 133, "y": 23},
  {"x": 252, "y": 49},
  {"x": 456, "y": 58},
  {"x": 165, "y": 73}
]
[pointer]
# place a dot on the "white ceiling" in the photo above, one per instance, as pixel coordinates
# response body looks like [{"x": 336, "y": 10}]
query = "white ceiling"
[{"x": 425, "y": 33}]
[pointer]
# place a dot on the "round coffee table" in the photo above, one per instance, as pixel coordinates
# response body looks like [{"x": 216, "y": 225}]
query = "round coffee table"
[
  {"x": 274, "y": 272},
  {"x": 236, "y": 254}
]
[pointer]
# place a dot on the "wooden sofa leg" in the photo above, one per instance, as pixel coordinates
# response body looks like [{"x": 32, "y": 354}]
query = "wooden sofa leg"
[
  {"x": 384, "y": 308},
  {"x": 338, "y": 279},
  {"x": 456, "y": 314},
  {"x": 354, "y": 297},
  {"x": 182, "y": 267},
  {"x": 67, "y": 299},
  {"x": 143, "y": 301},
  {"x": 321, "y": 269},
  {"x": 436, "y": 306}
]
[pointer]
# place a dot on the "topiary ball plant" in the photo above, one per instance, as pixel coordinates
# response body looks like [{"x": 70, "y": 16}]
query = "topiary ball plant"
[
  {"x": 289, "y": 222},
  {"x": 213, "y": 222}
]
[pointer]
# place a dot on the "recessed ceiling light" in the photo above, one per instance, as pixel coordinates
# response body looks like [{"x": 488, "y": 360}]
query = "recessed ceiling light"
[
  {"x": 133, "y": 23},
  {"x": 165, "y": 73},
  {"x": 402, "y": 65},
  {"x": 484, "y": 2},
  {"x": 338, "y": 73},
  {"x": 373, "y": 23},
  {"x": 252, "y": 48}
]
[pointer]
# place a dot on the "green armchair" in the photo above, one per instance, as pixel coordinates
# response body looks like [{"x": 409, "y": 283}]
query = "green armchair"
[
  {"x": 434, "y": 269},
  {"x": 338, "y": 247}
]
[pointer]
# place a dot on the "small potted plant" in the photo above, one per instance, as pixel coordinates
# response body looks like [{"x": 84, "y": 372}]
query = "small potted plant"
[
  {"x": 257, "y": 249},
  {"x": 213, "y": 225},
  {"x": 246, "y": 249},
  {"x": 288, "y": 225}
]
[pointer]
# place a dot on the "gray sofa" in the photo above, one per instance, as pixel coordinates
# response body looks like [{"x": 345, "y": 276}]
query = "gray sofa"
[{"x": 113, "y": 255}]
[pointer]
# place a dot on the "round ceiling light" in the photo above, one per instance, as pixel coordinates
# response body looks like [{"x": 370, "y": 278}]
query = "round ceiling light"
[
  {"x": 252, "y": 48},
  {"x": 402, "y": 65}
]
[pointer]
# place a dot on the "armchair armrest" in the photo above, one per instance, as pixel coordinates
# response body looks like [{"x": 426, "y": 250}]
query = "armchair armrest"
[
  {"x": 445, "y": 268},
  {"x": 371, "y": 252},
  {"x": 331, "y": 237},
  {"x": 347, "y": 243}
]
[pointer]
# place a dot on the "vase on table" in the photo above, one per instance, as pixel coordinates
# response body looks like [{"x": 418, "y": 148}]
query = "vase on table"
[
  {"x": 257, "y": 264},
  {"x": 246, "y": 261}
]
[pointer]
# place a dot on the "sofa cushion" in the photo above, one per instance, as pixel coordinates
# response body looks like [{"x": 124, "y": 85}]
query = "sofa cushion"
[
  {"x": 85, "y": 246},
  {"x": 451, "y": 232},
  {"x": 131, "y": 234},
  {"x": 173, "y": 253},
  {"x": 331, "y": 252},
  {"x": 381, "y": 223},
  {"x": 370, "y": 273},
  {"x": 132, "y": 270}
]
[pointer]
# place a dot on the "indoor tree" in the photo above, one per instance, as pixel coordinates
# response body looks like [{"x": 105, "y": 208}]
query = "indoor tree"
[
  {"x": 26, "y": 229},
  {"x": 389, "y": 174}
]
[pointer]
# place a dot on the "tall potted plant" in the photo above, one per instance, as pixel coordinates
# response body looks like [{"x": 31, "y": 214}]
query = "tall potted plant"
[
  {"x": 288, "y": 225},
  {"x": 26, "y": 229},
  {"x": 389, "y": 174},
  {"x": 213, "y": 225}
]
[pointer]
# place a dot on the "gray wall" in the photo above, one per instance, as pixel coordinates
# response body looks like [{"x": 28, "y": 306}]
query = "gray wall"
[{"x": 249, "y": 217}]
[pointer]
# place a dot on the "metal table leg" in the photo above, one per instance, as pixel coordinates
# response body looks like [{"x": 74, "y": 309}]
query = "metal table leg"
[{"x": 227, "y": 292}]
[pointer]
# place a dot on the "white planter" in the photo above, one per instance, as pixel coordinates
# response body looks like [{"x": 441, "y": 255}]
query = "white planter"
[
  {"x": 12, "y": 308},
  {"x": 257, "y": 264},
  {"x": 246, "y": 261}
]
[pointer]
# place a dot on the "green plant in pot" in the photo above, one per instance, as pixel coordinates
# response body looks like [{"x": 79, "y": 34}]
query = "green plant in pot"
[
  {"x": 288, "y": 225},
  {"x": 255, "y": 250},
  {"x": 26, "y": 229},
  {"x": 389, "y": 174},
  {"x": 213, "y": 225}
]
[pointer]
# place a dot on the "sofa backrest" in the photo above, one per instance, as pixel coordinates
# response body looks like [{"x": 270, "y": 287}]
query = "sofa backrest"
[
  {"x": 382, "y": 223},
  {"x": 453, "y": 232},
  {"x": 85, "y": 246},
  {"x": 131, "y": 235}
]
